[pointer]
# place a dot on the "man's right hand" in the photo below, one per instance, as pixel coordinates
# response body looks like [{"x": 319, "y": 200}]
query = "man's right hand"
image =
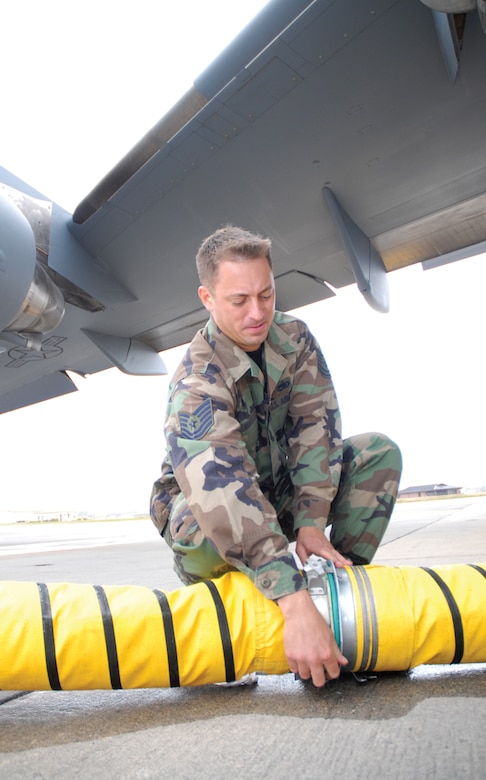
[{"x": 308, "y": 641}]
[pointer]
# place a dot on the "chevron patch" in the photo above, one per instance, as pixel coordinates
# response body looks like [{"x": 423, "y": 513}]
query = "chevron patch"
[
  {"x": 322, "y": 365},
  {"x": 198, "y": 423}
]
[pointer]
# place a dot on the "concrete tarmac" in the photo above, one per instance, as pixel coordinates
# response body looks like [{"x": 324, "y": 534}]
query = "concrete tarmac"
[{"x": 425, "y": 723}]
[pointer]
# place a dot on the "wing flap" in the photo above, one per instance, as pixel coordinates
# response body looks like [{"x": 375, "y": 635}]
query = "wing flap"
[
  {"x": 48, "y": 386},
  {"x": 461, "y": 225}
]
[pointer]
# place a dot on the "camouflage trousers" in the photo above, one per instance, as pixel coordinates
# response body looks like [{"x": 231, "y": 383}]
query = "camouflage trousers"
[{"x": 358, "y": 519}]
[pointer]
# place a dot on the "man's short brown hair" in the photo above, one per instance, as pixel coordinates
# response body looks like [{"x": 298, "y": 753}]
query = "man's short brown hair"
[{"x": 229, "y": 243}]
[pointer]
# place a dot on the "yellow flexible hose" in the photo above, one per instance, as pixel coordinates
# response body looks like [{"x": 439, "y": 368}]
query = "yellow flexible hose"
[
  {"x": 68, "y": 636},
  {"x": 410, "y": 615}
]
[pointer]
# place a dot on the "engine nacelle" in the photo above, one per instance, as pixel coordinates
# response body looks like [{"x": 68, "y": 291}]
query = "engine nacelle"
[
  {"x": 459, "y": 7},
  {"x": 451, "y": 6},
  {"x": 30, "y": 302}
]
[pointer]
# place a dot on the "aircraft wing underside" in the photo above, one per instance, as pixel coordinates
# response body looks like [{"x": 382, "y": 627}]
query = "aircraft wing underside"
[{"x": 339, "y": 129}]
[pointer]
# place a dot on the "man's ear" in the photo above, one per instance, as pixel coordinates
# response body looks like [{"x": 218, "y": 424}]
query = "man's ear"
[{"x": 206, "y": 298}]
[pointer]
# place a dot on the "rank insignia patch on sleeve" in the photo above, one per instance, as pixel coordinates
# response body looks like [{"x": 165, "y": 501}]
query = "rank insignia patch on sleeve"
[
  {"x": 322, "y": 365},
  {"x": 198, "y": 423}
]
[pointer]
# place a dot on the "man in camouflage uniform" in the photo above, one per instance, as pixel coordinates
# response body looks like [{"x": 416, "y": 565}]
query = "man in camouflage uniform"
[{"x": 255, "y": 458}]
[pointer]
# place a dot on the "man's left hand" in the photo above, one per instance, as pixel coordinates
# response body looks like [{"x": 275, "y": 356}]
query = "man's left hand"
[{"x": 312, "y": 540}]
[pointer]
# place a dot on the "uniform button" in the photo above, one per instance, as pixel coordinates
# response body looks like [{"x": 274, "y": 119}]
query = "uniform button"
[{"x": 266, "y": 583}]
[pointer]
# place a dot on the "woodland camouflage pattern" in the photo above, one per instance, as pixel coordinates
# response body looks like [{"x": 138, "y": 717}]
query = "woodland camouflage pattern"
[{"x": 251, "y": 459}]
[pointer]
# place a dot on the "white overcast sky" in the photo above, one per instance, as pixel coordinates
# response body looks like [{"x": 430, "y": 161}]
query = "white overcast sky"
[{"x": 81, "y": 84}]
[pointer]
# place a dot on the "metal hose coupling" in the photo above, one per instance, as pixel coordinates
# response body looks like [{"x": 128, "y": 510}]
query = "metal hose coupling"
[
  {"x": 323, "y": 587},
  {"x": 331, "y": 592}
]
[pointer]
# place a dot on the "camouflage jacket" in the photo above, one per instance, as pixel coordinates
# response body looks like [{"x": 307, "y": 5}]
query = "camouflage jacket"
[{"x": 232, "y": 433}]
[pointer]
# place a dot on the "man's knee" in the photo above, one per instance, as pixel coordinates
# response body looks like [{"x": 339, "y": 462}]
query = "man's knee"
[
  {"x": 391, "y": 452},
  {"x": 195, "y": 556},
  {"x": 372, "y": 451}
]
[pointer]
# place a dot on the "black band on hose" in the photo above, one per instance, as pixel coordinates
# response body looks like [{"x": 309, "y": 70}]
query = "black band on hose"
[
  {"x": 364, "y": 614},
  {"x": 170, "y": 640},
  {"x": 229, "y": 661},
  {"x": 373, "y": 652},
  {"x": 370, "y": 622},
  {"x": 110, "y": 640},
  {"x": 477, "y": 568},
  {"x": 455, "y": 614},
  {"x": 49, "y": 645}
]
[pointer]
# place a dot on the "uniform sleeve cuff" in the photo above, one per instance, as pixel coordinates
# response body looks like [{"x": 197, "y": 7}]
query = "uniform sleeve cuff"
[{"x": 280, "y": 577}]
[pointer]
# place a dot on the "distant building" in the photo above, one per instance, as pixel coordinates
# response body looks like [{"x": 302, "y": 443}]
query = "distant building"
[
  {"x": 422, "y": 491},
  {"x": 32, "y": 516}
]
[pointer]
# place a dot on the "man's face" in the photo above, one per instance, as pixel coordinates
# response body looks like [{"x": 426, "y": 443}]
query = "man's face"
[{"x": 242, "y": 301}]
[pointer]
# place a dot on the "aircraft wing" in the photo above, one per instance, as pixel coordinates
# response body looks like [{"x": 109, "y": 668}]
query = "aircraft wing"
[{"x": 350, "y": 132}]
